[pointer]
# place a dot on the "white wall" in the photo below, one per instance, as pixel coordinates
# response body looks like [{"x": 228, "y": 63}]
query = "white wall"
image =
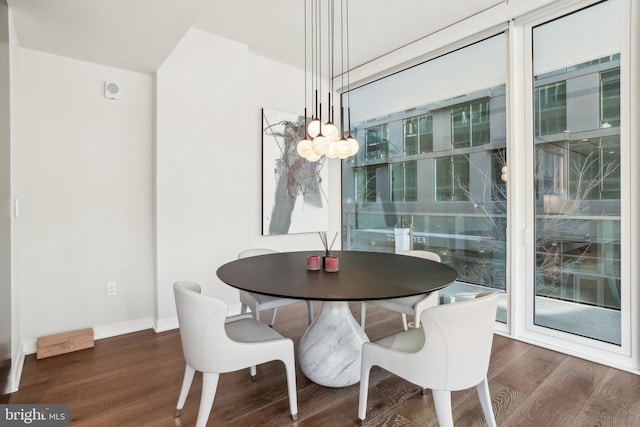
[
  {"x": 85, "y": 183},
  {"x": 17, "y": 358},
  {"x": 210, "y": 92},
  {"x": 5, "y": 202}
]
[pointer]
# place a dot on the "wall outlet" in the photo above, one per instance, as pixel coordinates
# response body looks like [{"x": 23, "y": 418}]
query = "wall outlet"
[{"x": 111, "y": 289}]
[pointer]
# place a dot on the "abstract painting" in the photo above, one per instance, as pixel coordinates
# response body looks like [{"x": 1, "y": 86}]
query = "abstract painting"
[{"x": 294, "y": 190}]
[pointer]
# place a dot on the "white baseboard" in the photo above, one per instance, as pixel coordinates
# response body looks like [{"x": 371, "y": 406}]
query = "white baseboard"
[
  {"x": 16, "y": 373},
  {"x": 167, "y": 324},
  {"x": 101, "y": 332}
]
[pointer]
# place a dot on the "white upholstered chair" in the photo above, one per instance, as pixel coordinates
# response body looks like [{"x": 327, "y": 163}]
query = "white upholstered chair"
[
  {"x": 258, "y": 302},
  {"x": 413, "y": 305},
  {"x": 214, "y": 344},
  {"x": 449, "y": 352}
]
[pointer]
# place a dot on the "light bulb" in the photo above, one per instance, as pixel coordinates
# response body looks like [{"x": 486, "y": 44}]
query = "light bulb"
[
  {"x": 320, "y": 145},
  {"x": 304, "y": 148},
  {"x": 330, "y": 131},
  {"x": 313, "y": 129},
  {"x": 342, "y": 148},
  {"x": 354, "y": 145}
]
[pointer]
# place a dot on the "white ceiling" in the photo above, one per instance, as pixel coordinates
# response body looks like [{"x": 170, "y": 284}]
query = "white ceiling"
[{"x": 139, "y": 34}]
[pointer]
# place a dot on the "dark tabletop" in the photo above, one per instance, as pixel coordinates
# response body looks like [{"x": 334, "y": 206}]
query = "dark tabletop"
[{"x": 362, "y": 276}]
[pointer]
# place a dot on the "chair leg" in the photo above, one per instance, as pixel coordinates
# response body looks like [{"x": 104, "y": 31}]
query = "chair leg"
[
  {"x": 363, "y": 313},
  {"x": 405, "y": 327},
  {"x": 184, "y": 391},
  {"x": 310, "y": 311},
  {"x": 442, "y": 402},
  {"x": 416, "y": 319},
  {"x": 365, "y": 369},
  {"x": 255, "y": 312},
  {"x": 209, "y": 386},
  {"x": 290, "y": 368},
  {"x": 273, "y": 317},
  {"x": 253, "y": 372},
  {"x": 243, "y": 308},
  {"x": 485, "y": 401}
]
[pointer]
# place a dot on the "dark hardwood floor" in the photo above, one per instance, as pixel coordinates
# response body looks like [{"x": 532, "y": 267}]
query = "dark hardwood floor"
[{"x": 134, "y": 380}]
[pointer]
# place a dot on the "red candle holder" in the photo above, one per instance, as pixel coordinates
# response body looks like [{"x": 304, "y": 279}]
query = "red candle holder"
[
  {"x": 331, "y": 264},
  {"x": 313, "y": 262}
]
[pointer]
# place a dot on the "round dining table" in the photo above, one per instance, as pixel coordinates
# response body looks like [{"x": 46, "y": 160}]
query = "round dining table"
[{"x": 330, "y": 350}]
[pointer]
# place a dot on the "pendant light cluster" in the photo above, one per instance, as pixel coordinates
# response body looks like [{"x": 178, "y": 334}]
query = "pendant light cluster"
[{"x": 324, "y": 138}]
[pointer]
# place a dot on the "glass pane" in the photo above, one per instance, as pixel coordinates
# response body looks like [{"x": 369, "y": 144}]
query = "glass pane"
[
  {"x": 377, "y": 142},
  {"x": 410, "y": 181},
  {"x": 397, "y": 183},
  {"x": 411, "y": 136},
  {"x": 426, "y": 133},
  {"x": 450, "y": 190},
  {"x": 577, "y": 154},
  {"x": 460, "y": 127},
  {"x": 551, "y": 117},
  {"x": 480, "y": 123},
  {"x": 610, "y": 94},
  {"x": 460, "y": 179}
]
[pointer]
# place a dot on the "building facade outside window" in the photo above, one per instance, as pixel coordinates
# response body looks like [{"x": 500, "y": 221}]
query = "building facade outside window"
[{"x": 578, "y": 187}]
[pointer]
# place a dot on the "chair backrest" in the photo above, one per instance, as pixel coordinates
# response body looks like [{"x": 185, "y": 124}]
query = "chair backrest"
[
  {"x": 458, "y": 340},
  {"x": 422, "y": 254},
  {"x": 255, "y": 251},
  {"x": 201, "y": 319}
]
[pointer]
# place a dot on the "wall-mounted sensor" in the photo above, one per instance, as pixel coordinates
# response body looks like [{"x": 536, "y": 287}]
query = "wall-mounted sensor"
[{"x": 111, "y": 90}]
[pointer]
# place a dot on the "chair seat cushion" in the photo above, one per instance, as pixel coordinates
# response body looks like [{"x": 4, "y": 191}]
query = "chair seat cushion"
[
  {"x": 408, "y": 341},
  {"x": 402, "y": 305},
  {"x": 250, "y": 330},
  {"x": 266, "y": 302}
]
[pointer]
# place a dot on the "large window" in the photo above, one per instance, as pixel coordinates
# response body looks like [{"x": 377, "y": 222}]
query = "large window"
[
  {"x": 577, "y": 281},
  {"x": 531, "y": 192},
  {"x": 443, "y": 157}
]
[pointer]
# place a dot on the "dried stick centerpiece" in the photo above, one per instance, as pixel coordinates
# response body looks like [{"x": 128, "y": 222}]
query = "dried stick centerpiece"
[
  {"x": 327, "y": 247},
  {"x": 329, "y": 262}
]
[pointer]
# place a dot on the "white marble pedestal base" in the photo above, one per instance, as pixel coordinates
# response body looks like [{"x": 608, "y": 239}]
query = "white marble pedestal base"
[{"x": 330, "y": 350}]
